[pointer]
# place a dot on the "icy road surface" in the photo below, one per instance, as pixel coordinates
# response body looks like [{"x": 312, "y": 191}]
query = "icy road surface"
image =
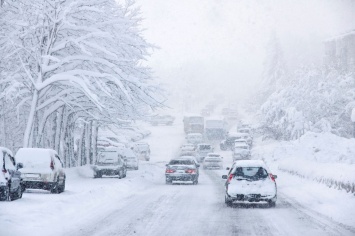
[{"x": 142, "y": 204}]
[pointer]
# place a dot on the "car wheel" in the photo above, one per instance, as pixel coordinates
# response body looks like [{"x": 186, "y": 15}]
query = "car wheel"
[
  {"x": 55, "y": 187},
  {"x": 62, "y": 188},
  {"x": 6, "y": 195},
  {"x": 19, "y": 192},
  {"x": 195, "y": 182},
  {"x": 227, "y": 201},
  {"x": 272, "y": 204},
  {"x": 97, "y": 175},
  {"x": 125, "y": 173}
]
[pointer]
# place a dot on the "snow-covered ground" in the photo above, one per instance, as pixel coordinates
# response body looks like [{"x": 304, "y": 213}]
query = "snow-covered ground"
[{"x": 142, "y": 204}]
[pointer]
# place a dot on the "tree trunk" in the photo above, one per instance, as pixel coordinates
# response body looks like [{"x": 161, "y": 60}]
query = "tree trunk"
[
  {"x": 31, "y": 116},
  {"x": 59, "y": 128},
  {"x": 94, "y": 141},
  {"x": 88, "y": 134}
]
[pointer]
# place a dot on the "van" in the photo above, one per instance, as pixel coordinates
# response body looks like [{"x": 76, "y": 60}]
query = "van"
[{"x": 42, "y": 169}]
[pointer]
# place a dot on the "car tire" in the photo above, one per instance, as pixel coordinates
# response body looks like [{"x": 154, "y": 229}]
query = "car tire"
[
  {"x": 227, "y": 201},
  {"x": 6, "y": 195},
  {"x": 195, "y": 182},
  {"x": 17, "y": 194},
  {"x": 120, "y": 175},
  {"x": 272, "y": 204},
  {"x": 62, "y": 188},
  {"x": 55, "y": 188},
  {"x": 97, "y": 175}
]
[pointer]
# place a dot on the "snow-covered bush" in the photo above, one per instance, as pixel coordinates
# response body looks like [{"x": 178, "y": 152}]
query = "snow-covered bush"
[{"x": 314, "y": 101}]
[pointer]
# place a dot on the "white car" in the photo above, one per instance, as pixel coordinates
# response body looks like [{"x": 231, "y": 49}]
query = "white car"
[
  {"x": 188, "y": 147},
  {"x": 250, "y": 181},
  {"x": 42, "y": 169},
  {"x": 213, "y": 160}
]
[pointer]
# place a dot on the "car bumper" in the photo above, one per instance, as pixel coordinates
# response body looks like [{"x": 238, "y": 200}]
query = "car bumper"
[
  {"x": 38, "y": 185},
  {"x": 182, "y": 178},
  {"x": 108, "y": 171},
  {"x": 252, "y": 198}
]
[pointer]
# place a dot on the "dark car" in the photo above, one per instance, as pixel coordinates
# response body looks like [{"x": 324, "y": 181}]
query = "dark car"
[
  {"x": 182, "y": 170},
  {"x": 10, "y": 177},
  {"x": 228, "y": 143},
  {"x": 110, "y": 162}
]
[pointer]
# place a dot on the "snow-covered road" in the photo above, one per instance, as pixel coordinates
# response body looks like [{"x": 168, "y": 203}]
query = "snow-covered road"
[{"x": 142, "y": 204}]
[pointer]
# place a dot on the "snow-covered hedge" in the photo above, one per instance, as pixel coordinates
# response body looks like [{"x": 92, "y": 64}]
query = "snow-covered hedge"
[{"x": 322, "y": 157}]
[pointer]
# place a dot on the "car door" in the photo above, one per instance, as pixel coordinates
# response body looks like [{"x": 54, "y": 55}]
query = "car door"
[{"x": 15, "y": 175}]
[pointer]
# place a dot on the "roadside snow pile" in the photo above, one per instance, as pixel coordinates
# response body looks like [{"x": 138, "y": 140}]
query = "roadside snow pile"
[{"x": 322, "y": 157}]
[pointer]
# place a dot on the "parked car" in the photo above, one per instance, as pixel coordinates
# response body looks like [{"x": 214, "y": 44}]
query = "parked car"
[
  {"x": 142, "y": 150},
  {"x": 202, "y": 150},
  {"x": 110, "y": 162},
  {"x": 194, "y": 138},
  {"x": 241, "y": 151},
  {"x": 10, "y": 177},
  {"x": 182, "y": 169},
  {"x": 213, "y": 160},
  {"x": 162, "y": 120},
  {"x": 42, "y": 169},
  {"x": 131, "y": 158},
  {"x": 250, "y": 181}
]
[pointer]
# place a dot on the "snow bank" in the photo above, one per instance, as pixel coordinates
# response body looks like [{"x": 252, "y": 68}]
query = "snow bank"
[{"x": 322, "y": 157}]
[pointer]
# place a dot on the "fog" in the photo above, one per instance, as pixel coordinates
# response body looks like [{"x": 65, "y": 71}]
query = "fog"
[{"x": 220, "y": 47}]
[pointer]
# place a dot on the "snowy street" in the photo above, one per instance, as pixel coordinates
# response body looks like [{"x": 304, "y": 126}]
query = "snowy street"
[{"x": 142, "y": 204}]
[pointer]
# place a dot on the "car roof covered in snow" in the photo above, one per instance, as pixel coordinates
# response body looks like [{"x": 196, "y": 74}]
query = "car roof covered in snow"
[
  {"x": 4, "y": 149},
  {"x": 250, "y": 163}
]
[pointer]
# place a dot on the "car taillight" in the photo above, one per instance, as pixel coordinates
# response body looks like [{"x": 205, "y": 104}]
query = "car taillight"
[
  {"x": 272, "y": 177},
  {"x": 230, "y": 178},
  {"x": 52, "y": 165},
  {"x": 169, "y": 171},
  {"x": 191, "y": 171}
]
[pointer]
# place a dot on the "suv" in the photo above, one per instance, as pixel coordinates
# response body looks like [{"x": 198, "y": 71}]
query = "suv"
[
  {"x": 110, "y": 161},
  {"x": 182, "y": 169},
  {"x": 202, "y": 150},
  {"x": 42, "y": 169},
  {"x": 250, "y": 181},
  {"x": 10, "y": 177},
  {"x": 213, "y": 160}
]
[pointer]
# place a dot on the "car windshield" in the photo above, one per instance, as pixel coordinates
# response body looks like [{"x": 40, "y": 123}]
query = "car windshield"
[
  {"x": 181, "y": 162},
  {"x": 251, "y": 173}
]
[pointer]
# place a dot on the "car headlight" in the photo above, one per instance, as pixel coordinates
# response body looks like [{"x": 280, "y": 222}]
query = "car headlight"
[{"x": 3, "y": 184}]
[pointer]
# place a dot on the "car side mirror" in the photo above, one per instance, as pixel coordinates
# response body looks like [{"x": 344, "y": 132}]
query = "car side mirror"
[
  {"x": 19, "y": 165},
  {"x": 198, "y": 165},
  {"x": 228, "y": 168},
  {"x": 224, "y": 177}
]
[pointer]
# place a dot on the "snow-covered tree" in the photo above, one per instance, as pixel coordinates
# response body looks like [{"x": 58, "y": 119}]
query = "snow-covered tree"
[{"x": 70, "y": 61}]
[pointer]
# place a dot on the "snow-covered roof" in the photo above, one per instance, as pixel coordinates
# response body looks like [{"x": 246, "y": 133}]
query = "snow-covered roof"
[{"x": 251, "y": 163}]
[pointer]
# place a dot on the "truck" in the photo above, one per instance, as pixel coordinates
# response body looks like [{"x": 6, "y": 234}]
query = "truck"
[
  {"x": 216, "y": 128},
  {"x": 194, "y": 124}
]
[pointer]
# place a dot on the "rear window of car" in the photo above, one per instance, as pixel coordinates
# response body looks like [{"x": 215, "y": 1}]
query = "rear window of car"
[
  {"x": 253, "y": 173},
  {"x": 181, "y": 162},
  {"x": 204, "y": 147},
  {"x": 109, "y": 157}
]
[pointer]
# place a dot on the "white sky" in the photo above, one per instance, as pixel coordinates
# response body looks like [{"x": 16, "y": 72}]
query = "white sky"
[{"x": 219, "y": 45}]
